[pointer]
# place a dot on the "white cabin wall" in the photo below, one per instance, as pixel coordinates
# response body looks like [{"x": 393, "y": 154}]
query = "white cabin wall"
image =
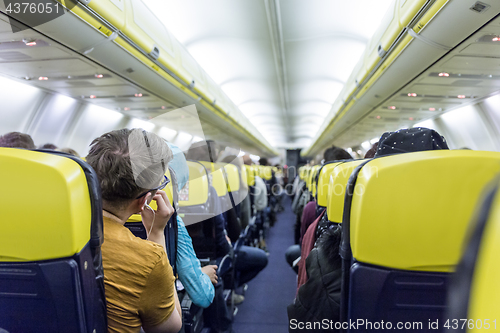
[
  {"x": 19, "y": 102},
  {"x": 474, "y": 126}
]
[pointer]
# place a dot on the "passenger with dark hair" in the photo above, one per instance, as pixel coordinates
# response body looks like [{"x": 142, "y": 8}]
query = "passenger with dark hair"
[
  {"x": 371, "y": 152},
  {"x": 336, "y": 153},
  {"x": 69, "y": 151},
  {"x": 49, "y": 146},
  {"x": 250, "y": 260},
  {"x": 319, "y": 297},
  {"x": 17, "y": 140},
  {"x": 139, "y": 282}
]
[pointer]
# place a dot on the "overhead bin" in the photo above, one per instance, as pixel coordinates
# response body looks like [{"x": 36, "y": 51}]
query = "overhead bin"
[
  {"x": 410, "y": 28},
  {"x": 139, "y": 34}
]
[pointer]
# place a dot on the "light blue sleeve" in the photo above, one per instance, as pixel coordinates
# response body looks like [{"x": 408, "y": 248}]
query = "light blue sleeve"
[{"x": 197, "y": 284}]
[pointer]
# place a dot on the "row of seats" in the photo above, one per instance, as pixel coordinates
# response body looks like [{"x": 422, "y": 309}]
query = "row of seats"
[
  {"x": 51, "y": 275},
  {"x": 405, "y": 219}
]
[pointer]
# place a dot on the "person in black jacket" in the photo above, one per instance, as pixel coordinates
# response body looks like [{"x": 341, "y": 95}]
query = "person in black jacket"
[{"x": 319, "y": 298}]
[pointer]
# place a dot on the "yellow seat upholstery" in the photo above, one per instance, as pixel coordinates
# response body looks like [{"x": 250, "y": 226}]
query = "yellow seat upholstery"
[
  {"x": 337, "y": 182},
  {"x": 250, "y": 171},
  {"x": 405, "y": 221},
  {"x": 194, "y": 197},
  {"x": 50, "y": 237},
  {"x": 311, "y": 177},
  {"x": 476, "y": 292},
  {"x": 322, "y": 186}
]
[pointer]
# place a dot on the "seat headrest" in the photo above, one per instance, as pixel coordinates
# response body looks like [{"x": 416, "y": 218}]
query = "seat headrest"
[
  {"x": 46, "y": 206},
  {"x": 323, "y": 180},
  {"x": 411, "y": 211},
  {"x": 311, "y": 175},
  {"x": 195, "y": 192},
  {"x": 250, "y": 175},
  {"x": 484, "y": 292},
  {"x": 216, "y": 174},
  {"x": 233, "y": 177}
]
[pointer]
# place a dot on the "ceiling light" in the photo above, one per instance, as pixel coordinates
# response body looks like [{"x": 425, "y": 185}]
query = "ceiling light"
[
  {"x": 92, "y": 96},
  {"x": 392, "y": 107},
  {"x": 378, "y": 117},
  {"x": 43, "y": 78},
  {"x": 163, "y": 107},
  {"x": 29, "y": 41},
  {"x": 490, "y": 75},
  {"x": 99, "y": 76},
  {"x": 411, "y": 118},
  {"x": 461, "y": 96},
  {"x": 444, "y": 74},
  {"x": 412, "y": 95},
  {"x": 138, "y": 95},
  {"x": 495, "y": 39},
  {"x": 126, "y": 108},
  {"x": 432, "y": 109},
  {"x": 366, "y": 145}
]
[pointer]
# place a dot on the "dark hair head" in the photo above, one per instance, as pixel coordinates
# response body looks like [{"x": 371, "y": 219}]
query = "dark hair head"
[
  {"x": 207, "y": 151},
  {"x": 410, "y": 140},
  {"x": 371, "y": 152},
  {"x": 69, "y": 151},
  {"x": 263, "y": 161},
  {"x": 48, "y": 146},
  {"x": 247, "y": 160},
  {"x": 336, "y": 153},
  {"x": 17, "y": 140},
  {"x": 126, "y": 163}
]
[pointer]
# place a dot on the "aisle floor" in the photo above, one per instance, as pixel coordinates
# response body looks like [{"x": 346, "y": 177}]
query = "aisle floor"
[{"x": 268, "y": 294}]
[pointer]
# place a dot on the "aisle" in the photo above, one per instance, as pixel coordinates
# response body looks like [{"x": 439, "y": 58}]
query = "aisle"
[{"x": 268, "y": 295}]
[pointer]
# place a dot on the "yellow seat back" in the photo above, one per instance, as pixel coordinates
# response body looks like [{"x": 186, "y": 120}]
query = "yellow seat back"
[
  {"x": 411, "y": 211},
  {"x": 311, "y": 176},
  {"x": 233, "y": 177},
  {"x": 480, "y": 269},
  {"x": 46, "y": 206},
  {"x": 337, "y": 182},
  {"x": 217, "y": 176},
  {"x": 322, "y": 186},
  {"x": 266, "y": 172},
  {"x": 195, "y": 192},
  {"x": 250, "y": 171},
  {"x": 170, "y": 195},
  {"x": 244, "y": 176}
]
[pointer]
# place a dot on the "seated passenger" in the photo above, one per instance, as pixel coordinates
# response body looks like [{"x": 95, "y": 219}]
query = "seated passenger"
[
  {"x": 139, "y": 282},
  {"x": 198, "y": 281},
  {"x": 319, "y": 297},
  {"x": 250, "y": 260},
  {"x": 70, "y": 151},
  {"x": 310, "y": 221},
  {"x": 17, "y": 140},
  {"x": 49, "y": 146}
]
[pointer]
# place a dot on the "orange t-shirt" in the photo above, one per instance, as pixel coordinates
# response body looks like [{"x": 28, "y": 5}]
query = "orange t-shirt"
[{"x": 138, "y": 279}]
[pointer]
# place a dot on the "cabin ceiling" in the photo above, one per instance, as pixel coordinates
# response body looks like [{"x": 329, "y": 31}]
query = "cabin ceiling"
[
  {"x": 283, "y": 63},
  {"x": 471, "y": 72}
]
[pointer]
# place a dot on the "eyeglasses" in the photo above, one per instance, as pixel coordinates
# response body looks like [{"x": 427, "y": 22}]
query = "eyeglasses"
[{"x": 161, "y": 187}]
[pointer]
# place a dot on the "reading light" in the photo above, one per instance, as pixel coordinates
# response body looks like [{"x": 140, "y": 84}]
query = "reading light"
[
  {"x": 495, "y": 39},
  {"x": 99, "y": 76},
  {"x": 461, "y": 96},
  {"x": 412, "y": 95},
  {"x": 29, "y": 41},
  {"x": 163, "y": 107},
  {"x": 138, "y": 95},
  {"x": 432, "y": 109},
  {"x": 392, "y": 107},
  {"x": 126, "y": 108},
  {"x": 43, "y": 78},
  {"x": 411, "y": 118},
  {"x": 92, "y": 96},
  {"x": 378, "y": 117},
  {"x": 444, "y": 74}
]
